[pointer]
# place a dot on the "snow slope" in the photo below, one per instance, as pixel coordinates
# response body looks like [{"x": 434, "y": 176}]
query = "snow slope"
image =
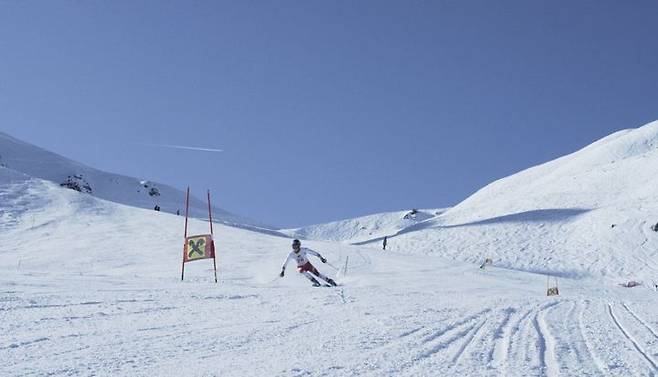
[
  {"x": 587, "y": 213},
  {"x": 366, "y": 227},
  {"x": 39, "y": 163},
  {"x": 91, "y": 287}
]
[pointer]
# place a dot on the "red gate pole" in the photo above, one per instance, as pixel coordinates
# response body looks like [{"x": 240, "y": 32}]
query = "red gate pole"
[
  {"x": 214, "y": 253},
  {"x": 187, "y": 207},
  {"x": 214, "y": 263},
  {"x": 209, "y": 213}
]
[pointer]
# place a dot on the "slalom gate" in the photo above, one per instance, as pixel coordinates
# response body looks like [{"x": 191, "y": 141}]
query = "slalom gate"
[{"x": 200, "y": 246}]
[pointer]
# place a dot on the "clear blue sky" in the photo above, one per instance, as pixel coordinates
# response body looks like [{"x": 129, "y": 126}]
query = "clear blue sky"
[{"x": 325, "y": 109}]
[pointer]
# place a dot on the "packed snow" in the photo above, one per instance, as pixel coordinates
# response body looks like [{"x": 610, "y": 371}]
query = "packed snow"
[
  {"x": 92, "y": 287},
  {"x": 365, "y": 228}
]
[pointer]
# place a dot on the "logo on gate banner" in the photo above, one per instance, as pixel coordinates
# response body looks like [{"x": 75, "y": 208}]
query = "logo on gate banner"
[{"x": 199, "y": 247}]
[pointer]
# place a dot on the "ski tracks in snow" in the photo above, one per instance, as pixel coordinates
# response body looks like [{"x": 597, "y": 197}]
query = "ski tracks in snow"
[
  {"x": 570, "y": 353},
  {"x": 546, "y": 343},
  {"x": 561, "y": 337},
  {"x": 572, "y": 337},
  {"x": 644, "y": 323},
  {"x": 502, "y": 340},
  {"x": 441, "y": 346},
  {"x": 621, "y": 342},
  {"x": 632, "y": 338},
  {"x": 531, "y": 346}
]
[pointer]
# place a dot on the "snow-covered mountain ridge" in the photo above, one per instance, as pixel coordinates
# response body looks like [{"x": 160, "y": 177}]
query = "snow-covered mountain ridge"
[
  {"x": 589, "y": 212},
  {"x": 618, "y": 170},
  {"x": 36, "y": 162}
]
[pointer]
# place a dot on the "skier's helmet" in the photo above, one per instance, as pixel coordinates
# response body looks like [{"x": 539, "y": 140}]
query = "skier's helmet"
[{"x": 296, "y": 244}]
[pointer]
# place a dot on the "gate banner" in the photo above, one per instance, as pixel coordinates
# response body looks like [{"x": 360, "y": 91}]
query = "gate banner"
[{"x": 198, "y": 247}]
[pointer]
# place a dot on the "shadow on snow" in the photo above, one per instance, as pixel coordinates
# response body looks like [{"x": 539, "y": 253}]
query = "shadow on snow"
[{"x": 551, "y": 215}]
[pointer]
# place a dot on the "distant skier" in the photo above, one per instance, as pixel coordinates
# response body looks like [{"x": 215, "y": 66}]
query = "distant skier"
[
  {"x": 385, "y": 241},
  {"x": 304, "y": 266}
]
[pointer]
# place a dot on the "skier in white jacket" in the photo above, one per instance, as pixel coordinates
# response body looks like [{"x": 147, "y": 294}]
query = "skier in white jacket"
[{"x": 304, "y": 266}]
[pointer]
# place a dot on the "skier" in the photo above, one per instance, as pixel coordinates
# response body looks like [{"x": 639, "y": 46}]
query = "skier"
[
  {"x": 385, "y": 239},
  {"x": 304, "y": 266}
]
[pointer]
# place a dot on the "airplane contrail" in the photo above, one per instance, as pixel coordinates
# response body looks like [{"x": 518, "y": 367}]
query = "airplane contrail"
[{"x": 185, "y": 147}]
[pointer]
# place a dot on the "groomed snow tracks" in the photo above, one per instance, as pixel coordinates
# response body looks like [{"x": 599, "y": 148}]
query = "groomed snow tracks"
[
  {"x": 631, "y": 338},
  {"x": 559, "y": 337}
]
